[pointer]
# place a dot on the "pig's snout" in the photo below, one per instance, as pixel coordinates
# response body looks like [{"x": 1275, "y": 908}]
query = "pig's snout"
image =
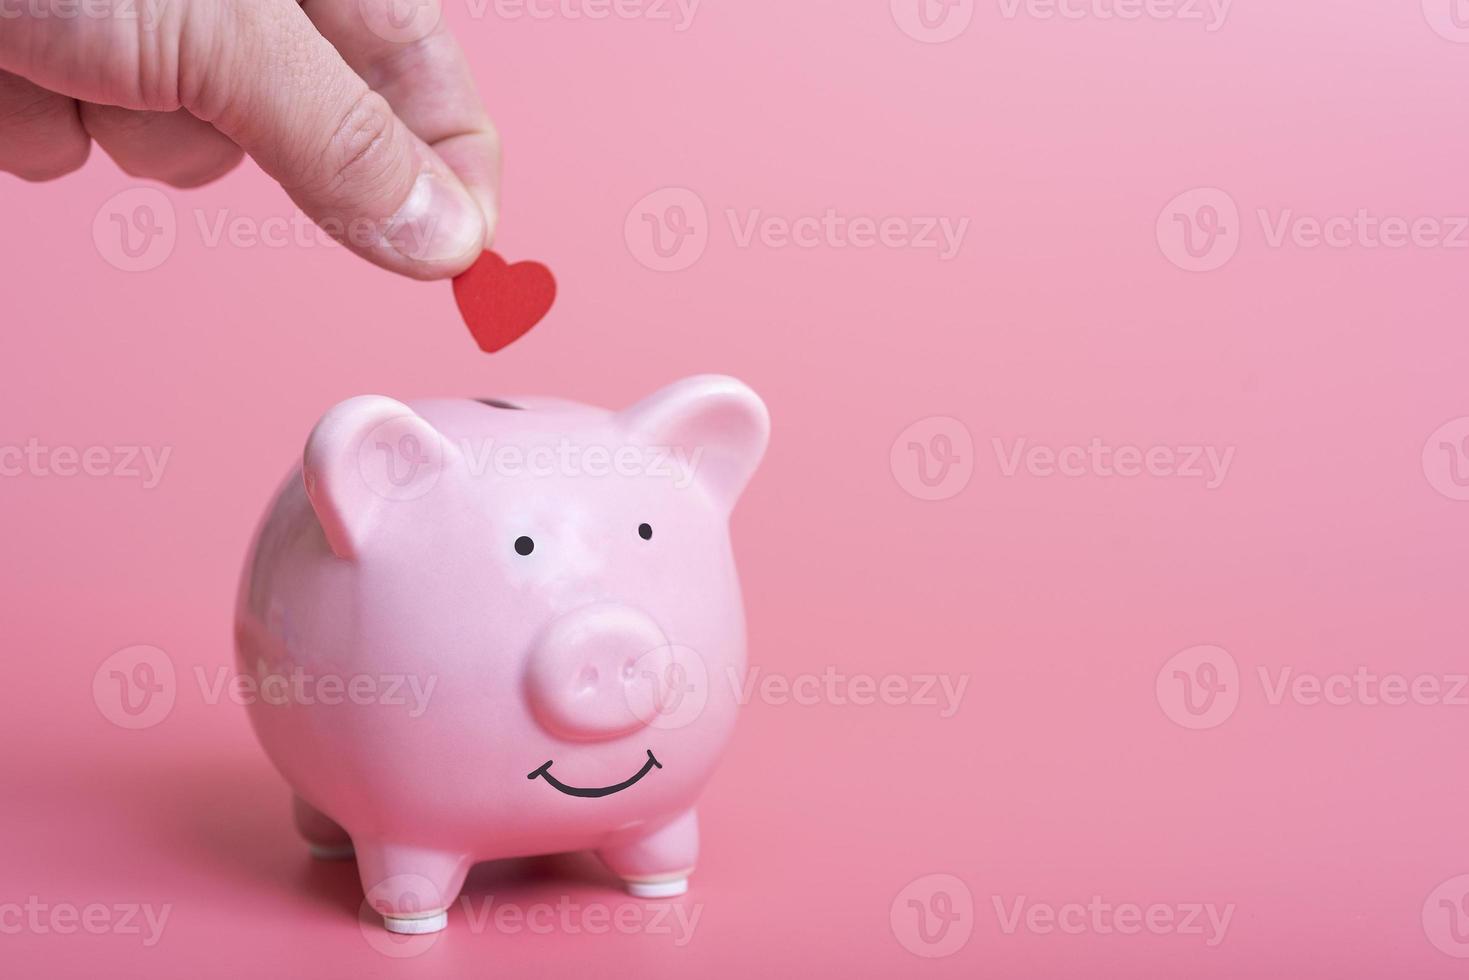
[{"x": 598, "y": 672}]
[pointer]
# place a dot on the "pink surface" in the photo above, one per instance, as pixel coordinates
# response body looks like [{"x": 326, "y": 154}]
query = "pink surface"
[{"x": 1320, "y": 544}]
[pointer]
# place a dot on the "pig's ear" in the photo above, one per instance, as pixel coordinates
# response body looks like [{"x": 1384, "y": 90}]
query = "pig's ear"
[
  {"x": 717, "y": 425},
  {"x": 366, "y": 456}
]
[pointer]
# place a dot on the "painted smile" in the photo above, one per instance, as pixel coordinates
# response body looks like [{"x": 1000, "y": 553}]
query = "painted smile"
[{"x": 545, "y": 773}]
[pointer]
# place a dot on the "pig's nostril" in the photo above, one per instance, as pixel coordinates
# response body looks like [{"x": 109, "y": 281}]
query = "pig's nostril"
[{"x": 587, "y": 679}]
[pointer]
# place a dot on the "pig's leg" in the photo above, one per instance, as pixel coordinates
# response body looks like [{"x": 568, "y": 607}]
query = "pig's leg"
[
  {"x": 411, "y": 887},
  {"x": 657, "y": 864},
  {"x": 328, "y": 841}
]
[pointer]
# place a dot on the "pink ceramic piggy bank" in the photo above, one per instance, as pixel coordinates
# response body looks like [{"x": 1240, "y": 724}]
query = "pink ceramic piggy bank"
[{"x": 483, "y": 630}]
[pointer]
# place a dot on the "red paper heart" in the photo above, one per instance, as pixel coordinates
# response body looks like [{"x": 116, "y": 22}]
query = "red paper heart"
[{"x": 501, "y": 302}]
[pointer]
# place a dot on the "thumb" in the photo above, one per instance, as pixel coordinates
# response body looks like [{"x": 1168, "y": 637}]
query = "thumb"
[{"x": 282, "y": 92}]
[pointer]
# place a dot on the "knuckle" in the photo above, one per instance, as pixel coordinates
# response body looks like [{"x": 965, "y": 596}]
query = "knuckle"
[
  {"x": 24, "y": 108},
  {"x": 103, "y": 120},
  {"x": 203, "y": 172},
  {"x": 40, "y": 135},
  {"x": 48, "y": 162},
  {"x": 363, "y": 149}
]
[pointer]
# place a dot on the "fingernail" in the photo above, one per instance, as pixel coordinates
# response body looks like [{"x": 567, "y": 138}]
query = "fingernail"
[{"x": 438, "y": 222}]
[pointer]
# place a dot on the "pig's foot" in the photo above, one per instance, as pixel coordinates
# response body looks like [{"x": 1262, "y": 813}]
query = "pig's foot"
[
  {"x": 656, "y": 864},
  {"x": 419, "y": 926},
  {"x": 657, "y": 889},
  {"x": 411, "y": 887},
  {"x": 326, "y": 838}
]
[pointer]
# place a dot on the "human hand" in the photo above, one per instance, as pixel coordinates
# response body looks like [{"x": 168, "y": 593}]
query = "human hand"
[{"x": 382, "y": 141}]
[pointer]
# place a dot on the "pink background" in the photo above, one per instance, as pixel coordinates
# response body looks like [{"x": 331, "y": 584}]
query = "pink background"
[{"x": 1332, "y": 830}]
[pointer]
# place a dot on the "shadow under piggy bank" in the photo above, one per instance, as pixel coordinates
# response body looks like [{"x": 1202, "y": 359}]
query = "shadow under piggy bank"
[{"x": 214, "y": 818}]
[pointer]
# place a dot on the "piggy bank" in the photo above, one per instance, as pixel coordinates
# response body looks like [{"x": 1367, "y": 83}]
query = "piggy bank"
[{"x": 486, "y": 629}]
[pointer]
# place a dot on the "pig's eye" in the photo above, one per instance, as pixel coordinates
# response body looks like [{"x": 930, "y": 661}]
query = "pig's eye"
[
  {"x": 645, "y": 531},
  {"x": 524, "y": 545}
]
